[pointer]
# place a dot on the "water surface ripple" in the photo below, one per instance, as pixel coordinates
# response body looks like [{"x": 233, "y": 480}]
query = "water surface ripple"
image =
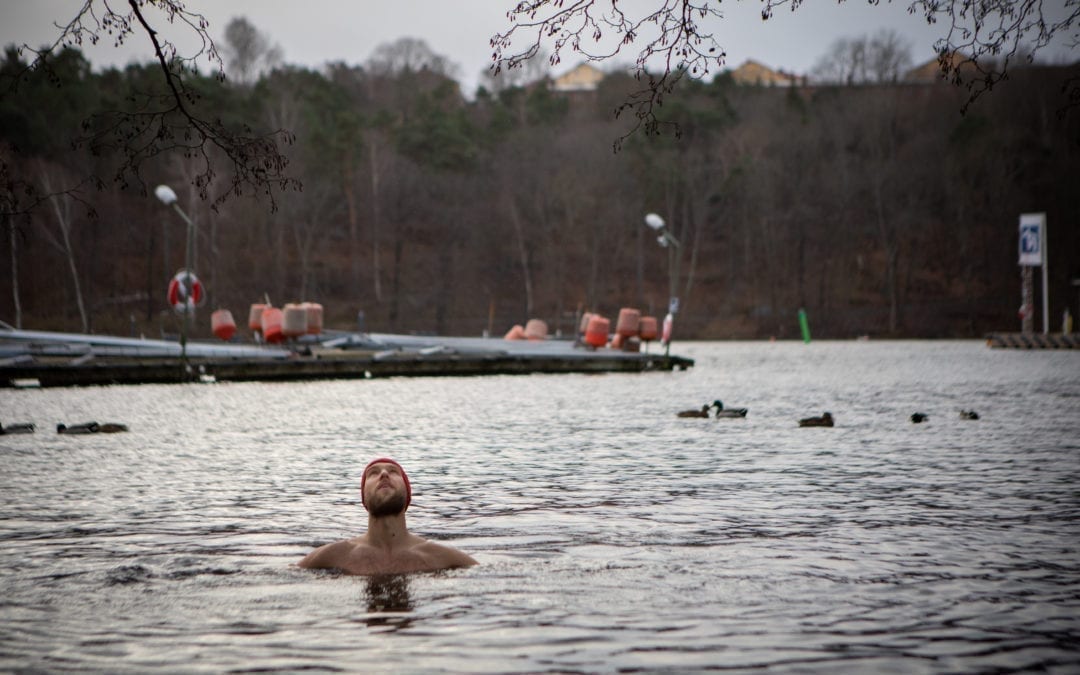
[{"x": 612, "y": 535}]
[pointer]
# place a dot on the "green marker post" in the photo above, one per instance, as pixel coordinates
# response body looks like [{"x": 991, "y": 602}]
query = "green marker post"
[{"x": 804, "y": 325}]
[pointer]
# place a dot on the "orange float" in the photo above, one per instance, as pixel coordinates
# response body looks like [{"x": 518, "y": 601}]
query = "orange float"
[
  {"x": 536, "y": 329},
  {"x": 629, "y": 319},
  {"x": 255, "y": 316},
  {"x": 222, "y": 324},
  {"x": 596, "y": 335},
  {"x": 515, "y": 333},
  {"x": 584, "y": 326},
  {"x": 272, "y": 320},
  {"x": 647, "y": 328},
  {"x": 293, "y": 320},
  {"x": 314, "y": 317}
]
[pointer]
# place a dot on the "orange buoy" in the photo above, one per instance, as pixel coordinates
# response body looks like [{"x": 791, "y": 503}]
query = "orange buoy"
[
  {"x": 647, "y": 328},
  {"x": 536, "y": 329},
  {"x": 222, "y": 324},
  {"x": 293, "y": 320},
  {"x": 314, "y": 318},
  {"x": 515, "y": 333},
  {"x": 271, "y": 324},
  {"x": 584, "y": 326},
  {"x": 255, "y": 316},
  {"x": 627, "y": 325},
  {"x": 596, "y": 335}
]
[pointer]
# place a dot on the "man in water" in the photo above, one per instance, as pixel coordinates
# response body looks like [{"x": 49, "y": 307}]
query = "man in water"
[{"x": 387, "y": 547}]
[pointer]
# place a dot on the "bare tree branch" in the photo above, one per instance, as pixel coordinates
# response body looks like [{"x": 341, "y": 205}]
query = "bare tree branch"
[
  {"x": 673, "y": 36},
  {"x": 673, "y": 39},
  {"x": 160, "y": 122}
]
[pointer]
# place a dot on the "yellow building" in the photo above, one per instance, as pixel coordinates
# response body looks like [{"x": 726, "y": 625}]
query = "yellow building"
[
  {"x": 582, "y": 78},
  {"x": 753, "y": 73}
]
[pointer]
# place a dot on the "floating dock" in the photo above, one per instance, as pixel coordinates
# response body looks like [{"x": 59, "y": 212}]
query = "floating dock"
[
  {"x": 48, "y": 360},
  {"x": 1033, "y": 340}
]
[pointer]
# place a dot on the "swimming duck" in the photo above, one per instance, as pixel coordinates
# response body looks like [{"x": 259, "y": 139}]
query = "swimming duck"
[
  {"x": 969, "y": 415},
  {"x": 85, "y": 428},
  {"x": 704, "y": 412},
  {"x": 22, "y": 428},
  {"x": 721, "y": 411},
  {"x": 919, "y": 417},
  {"x": 826, "y": 420}
]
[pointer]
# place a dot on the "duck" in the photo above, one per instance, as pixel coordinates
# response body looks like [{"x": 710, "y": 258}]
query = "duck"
[
  {"x": 969, "y": 415},
  {"x": 19, "y": 428},
  {"x": 826, "y": 420},
  {"x": 704, "y": 412},
  {"x": 919, "y": 417},
  {"x": 85, "y": 428},
  {"x": 111, "y": 428},
  {"x": 721, "y": 411}
]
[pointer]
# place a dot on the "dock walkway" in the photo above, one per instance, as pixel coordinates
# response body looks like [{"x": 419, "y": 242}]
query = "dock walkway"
[
  {"x": 44, "y": 363},
  {"x": 1033, "y": 340}
]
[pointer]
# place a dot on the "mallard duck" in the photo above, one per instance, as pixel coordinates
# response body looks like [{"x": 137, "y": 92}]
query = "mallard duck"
[
  {"x": 969, "y": 415},
  {"x": 918, "y": 417},
  {"x": 22, "y": 428},
  {"x": 704, "y": 412},
  {"x": 721, "y": 411},
  {"x": 85, "y": 428},
  {"x": 826, "y": 420}
]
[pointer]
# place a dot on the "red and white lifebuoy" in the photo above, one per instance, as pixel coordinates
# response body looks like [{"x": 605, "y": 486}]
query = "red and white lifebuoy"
[
  {"x": 665, "y": 337},
  {"x": 185, "y": 291}
]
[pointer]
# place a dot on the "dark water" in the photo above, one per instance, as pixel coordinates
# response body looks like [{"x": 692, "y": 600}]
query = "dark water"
[{"x": 611, "y": 535}]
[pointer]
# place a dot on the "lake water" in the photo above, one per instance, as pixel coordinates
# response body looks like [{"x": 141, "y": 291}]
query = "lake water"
[{"x": 612, "y": 535}]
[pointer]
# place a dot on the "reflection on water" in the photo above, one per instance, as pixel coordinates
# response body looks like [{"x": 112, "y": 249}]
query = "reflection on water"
[
  {"x": 388, "y": 601},
  {"x": 611, "y": 534}
]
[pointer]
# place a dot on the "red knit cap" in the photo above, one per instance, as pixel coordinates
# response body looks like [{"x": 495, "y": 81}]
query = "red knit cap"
[{"x": 404, "y": 476}]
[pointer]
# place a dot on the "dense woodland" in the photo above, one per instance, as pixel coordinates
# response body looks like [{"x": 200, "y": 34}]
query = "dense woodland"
[{"x": 880, "y": 209}]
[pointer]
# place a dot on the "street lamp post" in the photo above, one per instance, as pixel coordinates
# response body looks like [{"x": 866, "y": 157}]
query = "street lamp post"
[
  {"x": 165, "y": 194},
  {"x": 667, "y": 240}
]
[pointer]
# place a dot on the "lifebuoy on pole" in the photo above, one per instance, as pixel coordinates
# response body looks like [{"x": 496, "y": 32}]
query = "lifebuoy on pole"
[
  {"x": 185, "y": 291},
  {"x": 665, "y": 337}
]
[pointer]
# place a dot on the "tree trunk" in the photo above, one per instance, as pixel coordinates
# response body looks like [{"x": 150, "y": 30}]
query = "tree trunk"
[
  {"x": 375, "y": 218},
  {"x": 15, "y": 276},
  {"x": 523, "y": 255},
  {"x": 888, "y": 245},
  {"x": 62, "y": 221}
]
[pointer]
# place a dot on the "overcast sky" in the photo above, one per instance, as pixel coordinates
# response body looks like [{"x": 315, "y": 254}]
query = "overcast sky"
[{"x": 314, "y": 32}]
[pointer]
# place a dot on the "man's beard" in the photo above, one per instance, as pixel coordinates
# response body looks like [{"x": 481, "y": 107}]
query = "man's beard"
[{"x": 392, "y": 506}]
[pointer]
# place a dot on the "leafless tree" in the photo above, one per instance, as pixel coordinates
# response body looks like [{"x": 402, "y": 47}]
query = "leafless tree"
[
  {"x": 409, "y": 55},
  {"x": 880, "y": 59},
  {"x": 168, "y": 120},
  {"x": 248, "y": 52},
  {"x": 674, "y": 38}
]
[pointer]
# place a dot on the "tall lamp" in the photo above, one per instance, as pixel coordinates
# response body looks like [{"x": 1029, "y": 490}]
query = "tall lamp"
[
  {"x": 667, "y": 240},
  {"x": 165, "y": 194}
]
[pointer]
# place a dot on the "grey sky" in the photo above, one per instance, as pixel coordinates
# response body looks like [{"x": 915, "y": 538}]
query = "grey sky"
[{"x": 317, "y": 31}]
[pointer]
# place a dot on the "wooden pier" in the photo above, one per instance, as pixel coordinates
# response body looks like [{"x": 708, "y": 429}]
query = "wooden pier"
[
  {"x": 1033, "y": 340},
  {"x": 397, "y": 356}
]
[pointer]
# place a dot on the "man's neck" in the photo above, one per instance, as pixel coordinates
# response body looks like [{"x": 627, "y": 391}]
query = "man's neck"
[{"x": 387, "y": 532}]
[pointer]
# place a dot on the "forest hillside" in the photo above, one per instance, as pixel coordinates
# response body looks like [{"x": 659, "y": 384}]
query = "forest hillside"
[{"x": 880, "y": 209}]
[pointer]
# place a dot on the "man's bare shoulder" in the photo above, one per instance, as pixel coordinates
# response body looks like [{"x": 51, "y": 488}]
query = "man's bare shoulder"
[
  {"x": 442, "y": 556},
  {"x": 356, "y": 556},
  {"x": 330, "y": 555}
]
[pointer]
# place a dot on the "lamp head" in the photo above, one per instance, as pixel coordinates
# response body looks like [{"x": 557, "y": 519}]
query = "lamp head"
[
  {"x": 165, "y": 194},
  {"x": 654, "y": 221}
]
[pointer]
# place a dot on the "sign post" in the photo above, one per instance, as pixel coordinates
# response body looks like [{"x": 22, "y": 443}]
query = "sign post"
[{"x": 1033, "y": 254}]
